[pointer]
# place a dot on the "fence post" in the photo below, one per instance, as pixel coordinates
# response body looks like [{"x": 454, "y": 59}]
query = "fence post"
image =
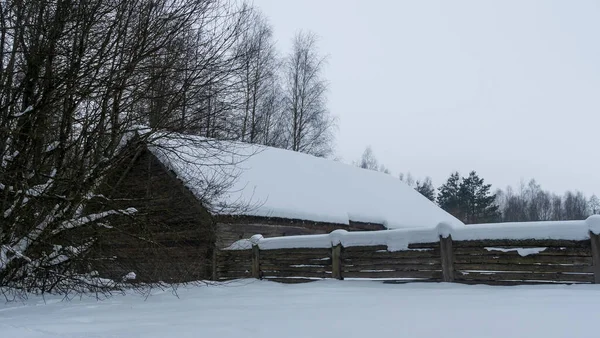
[
  {"x": 595, "y": 239},
  {"x": 255, "y": 261},
  {"x": 336, "y": 262},
  {"x": 447, "y": 256},
  {"x": 214, "y": 265}
]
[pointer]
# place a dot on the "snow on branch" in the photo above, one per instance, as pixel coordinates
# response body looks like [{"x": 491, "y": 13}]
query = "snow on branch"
[{"x": 74, "y": 223}]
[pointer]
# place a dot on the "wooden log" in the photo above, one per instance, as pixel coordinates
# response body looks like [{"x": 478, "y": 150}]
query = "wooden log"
[
  {"x": 290, "y": 280},
  {"x": 336, "y": 262},
  {"x": 538, "y": 243},
  {"x": 256, "y": 262},
  {"x": 521, "y": 276},
  {"x": 395, "y": 267},
  {"x": 503, "y": 259},
  {"x": 295, "y": 262},
  {"x": 394, "y": 274},
  {"x": 225, "y": 269},
  {"x": 353, "y": 249},
  {"x": 447, "y": 257},
  {"x": 391, "y": 255},
  {"x": 296, "y": 274},
  {"x": 233, "y": 275},
  {"x": 299, "y": 251},
  {"x": 293, "y": 256},
  {"x": 548, "y": 251},
  {"x": 228, "y": 256},
  {"x": 424, "y": 245},
  {"x": 595, "y": 244},
  {"x": 298, "y": 270},
  {"x": 510, "y": 283},
  {"x": 415, "y": 260},
  {"x": 524, "y": 267}
]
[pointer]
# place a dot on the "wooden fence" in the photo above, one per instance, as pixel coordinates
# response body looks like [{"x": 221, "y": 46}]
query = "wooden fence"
[{"x": 487, "y": 261}]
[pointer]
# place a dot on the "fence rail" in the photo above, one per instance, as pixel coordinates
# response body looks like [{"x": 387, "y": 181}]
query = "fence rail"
[{"x": 558, "y": 252}]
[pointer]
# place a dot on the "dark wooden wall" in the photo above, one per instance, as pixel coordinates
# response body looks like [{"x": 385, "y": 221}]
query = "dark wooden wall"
[{"x": 171, "y": 237}]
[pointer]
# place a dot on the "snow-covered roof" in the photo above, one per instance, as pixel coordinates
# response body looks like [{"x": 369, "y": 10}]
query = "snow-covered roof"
[{"x": 272, "y": 182}]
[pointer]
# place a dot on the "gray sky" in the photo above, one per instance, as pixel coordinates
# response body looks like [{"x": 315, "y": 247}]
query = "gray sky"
[{"x": 508, "y": 88}]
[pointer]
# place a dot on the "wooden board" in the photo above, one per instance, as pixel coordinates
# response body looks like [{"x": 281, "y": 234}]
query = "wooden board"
[
  {"x": 518, "y": 276},
  {"x": 290, "y": 280},
  {"x": 506, "y": 259},
  {"x": 525, "y": 267},
  {"x": 424, "y": 245},
  {"x": 396, "y": 267},
  {"x": 299, "y": 251},
  {"x": 522, "y": 243},
  {"x": 295, "y": 274},
  {"x": 389, "y": 255},
  {"x": 548, "y": 251},
  {"x": 393, "y": 274},
  {"x": 373, "y": 262}
]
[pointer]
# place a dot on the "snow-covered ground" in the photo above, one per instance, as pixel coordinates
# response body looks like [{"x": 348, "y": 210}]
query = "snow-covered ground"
[{"x": 362, "y": 309}]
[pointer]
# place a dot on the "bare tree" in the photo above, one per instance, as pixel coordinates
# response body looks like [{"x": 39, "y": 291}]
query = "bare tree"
[
  {"x": 594, "y": 205},
  {"x": 368, "y": 160},
  {"x": 309, "y": 123},
  {"x": 532, "y": 203},
  {"x": 77, "y": 80},
  {"x": 257, "y": 77}
]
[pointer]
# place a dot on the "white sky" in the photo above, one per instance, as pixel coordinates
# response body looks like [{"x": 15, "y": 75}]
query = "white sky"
[{"x": 510, "y": 89}]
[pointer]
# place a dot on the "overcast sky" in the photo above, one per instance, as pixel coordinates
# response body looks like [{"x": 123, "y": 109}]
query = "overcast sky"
[{"x": 510, "y": 89}]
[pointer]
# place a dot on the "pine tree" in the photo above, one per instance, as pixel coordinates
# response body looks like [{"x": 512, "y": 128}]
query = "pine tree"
[
  {"x": 448, "y": 197},
  {"x": 426, "y": 189},
  {"x": 477, "y": 203}
]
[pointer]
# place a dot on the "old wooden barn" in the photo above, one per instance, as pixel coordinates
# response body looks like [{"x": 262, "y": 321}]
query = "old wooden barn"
[{"x": 194, "y": 195}]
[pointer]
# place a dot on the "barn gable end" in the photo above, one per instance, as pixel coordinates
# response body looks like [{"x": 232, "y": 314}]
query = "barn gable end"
[{"x": 172, "y": 236}]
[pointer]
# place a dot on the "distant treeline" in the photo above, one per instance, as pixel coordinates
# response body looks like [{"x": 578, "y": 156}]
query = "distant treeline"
[{"x": 471, "y": 200}]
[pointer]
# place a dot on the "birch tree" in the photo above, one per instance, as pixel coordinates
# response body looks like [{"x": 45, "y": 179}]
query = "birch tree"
[
  {"x": 77, "y": 78},
  {"x": 309, "y": 123}
]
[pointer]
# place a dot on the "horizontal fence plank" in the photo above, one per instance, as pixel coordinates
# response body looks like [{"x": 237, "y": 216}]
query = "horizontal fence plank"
[
  {"x": 547, "y": 251},
  {"x": 298, "y": 251},
  {"x": 365, "y": 248},
  {"x": 512, "y": 283},
  {"x": 396, "y": 267},
  {"x": 424, "y": 245},
  {"x": 517, "y": 276},
  {"x": 295, "y": 262},
  {"x": 522, "y": 243},
  {"x": 393, "y": 274},
  {"x": 291, "y": 280},
  {"x": 388, "y": 254},
  {"x": 298, "y": 270},
  {"x": 234, "y": 275},
  {"x": 226, "y": 269},
  {"x": 504, "y": 259},
  {"x": 525, "y": 267},
  {"x": 415, "y": 260},
  {"x": 280, "y": 273},
  {"x": 294, "y": 257}
]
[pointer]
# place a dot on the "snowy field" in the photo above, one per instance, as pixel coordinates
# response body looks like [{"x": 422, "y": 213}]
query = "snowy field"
[{"x": 363, "y": 309}]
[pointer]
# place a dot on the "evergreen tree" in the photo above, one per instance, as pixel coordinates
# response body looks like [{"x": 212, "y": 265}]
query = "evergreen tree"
[
  {"x": 426, "y": 189},
  {"x": 448, "y": 197},
  {"x": 476, "y": 203}
]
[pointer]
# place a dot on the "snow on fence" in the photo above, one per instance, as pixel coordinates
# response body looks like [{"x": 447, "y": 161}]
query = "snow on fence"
[{"x": 511, "y": 253}]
